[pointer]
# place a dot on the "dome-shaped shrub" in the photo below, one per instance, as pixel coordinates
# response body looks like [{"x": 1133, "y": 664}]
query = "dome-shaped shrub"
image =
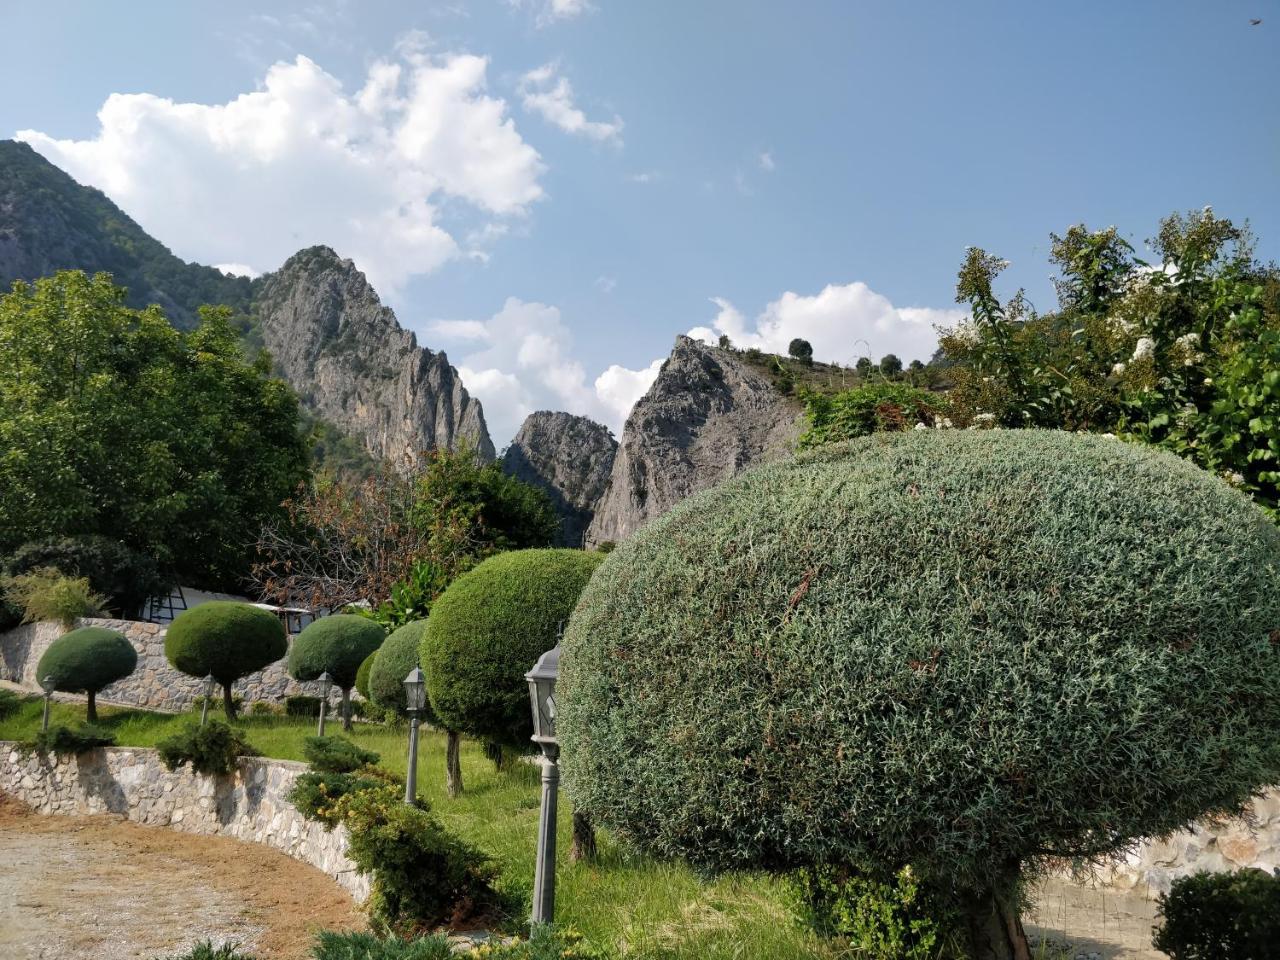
[
  {"x": 227, "y": 639},
  {"x": 486, "y": 631},
  {"x": 85, "y": 661},
  {"x": 335, "y": 645},
  {"x": 961, "y": 651},
  {"x": 362, "y": 675},
  {"x": 395, "y": 659}
]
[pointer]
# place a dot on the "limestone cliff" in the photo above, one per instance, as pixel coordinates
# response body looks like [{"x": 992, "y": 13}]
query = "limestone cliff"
[
  {"x": 352, "y": 362},
  {"x": 708, "y": 417},
  {"x": 569, "y": 457}
]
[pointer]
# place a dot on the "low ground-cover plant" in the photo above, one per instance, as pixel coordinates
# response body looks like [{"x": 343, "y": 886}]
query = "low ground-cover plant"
[
  {"x": 210, "y": 749},
  {"x": 337, "y": 755},
  {"x": 207, "y": 951},
  {"x": 331, "y": 945},
  {"x": 85, "y": 661},
  {"x": 67, "y": 741},
  {"x": 1211, "y": 916},
  {"x": 48, "y": 594},
  {"x": 546, "y": 942}
]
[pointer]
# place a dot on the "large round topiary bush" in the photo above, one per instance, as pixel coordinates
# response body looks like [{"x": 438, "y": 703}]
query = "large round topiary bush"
[
  {"x": 335, "y": 645},
  {"x": 395, "y": 659},
  {"x": 963, "y": 651},
  {"x": 85, "y": 661},
  {"x": 226, "y": 639},
  {"x": 486, "y": 631}
]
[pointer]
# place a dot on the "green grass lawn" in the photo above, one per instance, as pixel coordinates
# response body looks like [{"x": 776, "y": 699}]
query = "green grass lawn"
[{"x": 638, "y": 907}]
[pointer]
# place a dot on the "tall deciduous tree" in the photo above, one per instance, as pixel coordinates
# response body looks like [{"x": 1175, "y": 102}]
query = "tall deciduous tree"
[{"x": 114, "y": 423}]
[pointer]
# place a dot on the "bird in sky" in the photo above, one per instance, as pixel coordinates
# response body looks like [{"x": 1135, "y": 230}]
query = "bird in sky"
[{"x": 1255, "y": 23}]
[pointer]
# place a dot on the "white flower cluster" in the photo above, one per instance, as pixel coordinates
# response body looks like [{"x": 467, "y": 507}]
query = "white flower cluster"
[{"x": 1144, "y": 349}]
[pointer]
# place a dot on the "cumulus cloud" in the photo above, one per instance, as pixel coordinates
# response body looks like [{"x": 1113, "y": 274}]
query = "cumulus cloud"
[
  {"x": 545, "y": 92},
  {"x": 550, "y": 11},
  {"x": 842, "y": 322},
  {"x": 520, "y": 360},
  {"x": 302, "y": 161},
  {"x": 237, "y": 270}
]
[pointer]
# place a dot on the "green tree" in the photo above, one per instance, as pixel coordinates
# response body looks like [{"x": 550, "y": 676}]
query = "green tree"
[
  {"x": 114, "y": 423},
  {"x": 864, "y": 366},
  {"x": 800, "y": 350},
  {"x": 1067, "y": 643},
  {"x": 85, "y": 661},
  {"x": 226, "y": 640},
  {"x": 890, "y": 365},
  {"x": 336, "y": 645}
]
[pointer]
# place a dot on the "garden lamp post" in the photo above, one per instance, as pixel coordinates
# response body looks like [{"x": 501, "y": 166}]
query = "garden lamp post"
[
  {"x": 209, "y": 683},
  {"x": 326, "y": 684},
  {"x": 415, "y": 697},
  {"x": 542, "y": 687},
  {"x": 47, "y": 685}
]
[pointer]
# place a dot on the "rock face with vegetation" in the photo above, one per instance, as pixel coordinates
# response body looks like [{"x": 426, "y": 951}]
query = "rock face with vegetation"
[
  {"x": 708, "y": 417},
  {"x": 570, "y": 458},
  {"x": 352, "y": 362}
]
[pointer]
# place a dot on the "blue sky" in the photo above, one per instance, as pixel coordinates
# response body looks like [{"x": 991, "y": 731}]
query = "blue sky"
[{"x": 551, "y": 190}]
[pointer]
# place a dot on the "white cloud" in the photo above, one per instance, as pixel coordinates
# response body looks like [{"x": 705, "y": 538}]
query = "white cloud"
[
  {"x": 302, "y": 161},
  {"x": 842, "y": 322},
  {"x": 606, "y": 284},
  {"x": 520, "y": 360},
  {"x": 766, "y": 161},
  {"x": 238, "y": 270},
  {"x": 545, "y": 92},
  {"x": 645, "y": 176},
  {"x": 551, "y": 11}
]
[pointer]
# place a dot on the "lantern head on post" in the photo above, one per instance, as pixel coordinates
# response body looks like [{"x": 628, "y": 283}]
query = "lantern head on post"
[
  {"x": 48, "y": 685},
  {"x": 415, "y": 691},
  {"x": 326, "y": 685},
  {"x": 542, "y": 688}
]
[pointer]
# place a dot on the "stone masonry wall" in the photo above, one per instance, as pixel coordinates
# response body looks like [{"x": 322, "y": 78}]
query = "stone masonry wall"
[
  {"x": 154, "y": 684},
  {"x": 249, "y": 804}
]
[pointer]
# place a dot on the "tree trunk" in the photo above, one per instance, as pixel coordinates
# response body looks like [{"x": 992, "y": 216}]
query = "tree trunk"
[
  {"x": 583, "y": 846},
  {"x": 91, "y": 711},
  {"x": 995, "y": 929},
  {"x": 495, "y": 754},
  {"x": 228, "y": 702},
  {"x": 346, "y": 709},
  {"x": 452, "y": 767}
]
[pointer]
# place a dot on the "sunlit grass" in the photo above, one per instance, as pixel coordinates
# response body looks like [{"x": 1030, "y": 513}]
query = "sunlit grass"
[{"x": 637, "y": 907}]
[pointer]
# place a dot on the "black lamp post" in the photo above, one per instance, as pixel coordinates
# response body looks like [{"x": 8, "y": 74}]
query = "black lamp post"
[
  {"x": 542, "y": 688},
  {"x": 209, "y": 683},
  {"x": 415, "y": 696},
  {"x": 326, "y": 684},
  {"x": 48, "y": 684}
]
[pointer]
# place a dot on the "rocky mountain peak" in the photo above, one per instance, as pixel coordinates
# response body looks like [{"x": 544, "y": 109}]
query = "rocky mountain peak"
[
  {"x": 351, "y": 361},
  {"x": 707, "y": 417},
  {"x": 571, "y": 458}
]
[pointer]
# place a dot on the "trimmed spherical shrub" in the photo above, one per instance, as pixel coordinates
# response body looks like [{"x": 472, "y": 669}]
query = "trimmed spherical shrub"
[
  {"x": 86, "y": 660},
  {"x": 335, "y": 645},
  {"x": 396, "y": 657},
  {"x": 962, "y": 651},
  {"x": 486, "y": 631},
  {"x": 362, "y": 675},
  {"x": 227, "y": 639}
]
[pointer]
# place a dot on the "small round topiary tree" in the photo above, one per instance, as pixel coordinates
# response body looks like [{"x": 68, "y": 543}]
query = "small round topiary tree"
[
  {"x": 85, "y": 661},
  {"x": 362, "y": 675},
  {"x": 397, "y": 656},
  {"x": 486, "y": 631},
  {"x": 226, "y": 639},
  {"x": 961, "y": 651},
  {"x": 335, "y": 645}
]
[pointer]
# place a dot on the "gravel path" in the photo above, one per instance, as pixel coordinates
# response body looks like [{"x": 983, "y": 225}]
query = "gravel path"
[{"x": 75, "y": 887}]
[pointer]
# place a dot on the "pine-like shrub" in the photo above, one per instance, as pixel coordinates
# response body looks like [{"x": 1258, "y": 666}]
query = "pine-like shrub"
[
  {"x": 336, "y": 755},
  {"x": 332, "y": 945},
  {"x": 1213, "y": 916},
  {"x": 207, "y": 951},
  {"x": 962, "y": 650},
  {"x": 227, "y": 639},
  {"x": 85, "y": 661},
  {"x": 488, "y": 629},
  {"x": 316, "y": 795},
  {"x": 210, "y": 749},
  {"x": 65, "y": 741},
  {"x": 395, "y": 659}
]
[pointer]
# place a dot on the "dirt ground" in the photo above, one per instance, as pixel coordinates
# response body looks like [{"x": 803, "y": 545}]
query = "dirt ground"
[
  {"x": 1112, "y": 925},
  {"x": 75, "y": 887}
]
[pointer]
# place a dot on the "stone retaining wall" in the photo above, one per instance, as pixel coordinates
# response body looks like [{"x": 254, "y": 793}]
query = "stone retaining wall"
[
  {"x": 249, "y": 804},
  {"x": 154, "y": 684}
]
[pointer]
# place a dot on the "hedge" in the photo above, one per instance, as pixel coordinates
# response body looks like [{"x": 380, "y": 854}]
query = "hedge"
[
  {"x": 488, "y": 629},
  {"x": 958, "y": 650}
]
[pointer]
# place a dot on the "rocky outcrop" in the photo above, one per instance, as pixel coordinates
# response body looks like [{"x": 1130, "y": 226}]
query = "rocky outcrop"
[
  {"x": 352, "y": 362},
  {"x": 570, "y": 458},
  {"x": 708, "y": 417}
]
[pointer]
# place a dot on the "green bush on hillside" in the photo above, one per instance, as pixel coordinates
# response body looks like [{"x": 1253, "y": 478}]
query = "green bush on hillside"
[
  {"x": 207, "y": 951},
  {"x": 959, "y": 650},
  {"x": 1209, "y": 916},
  {"x": 210, "y": 749},
  {"x": 487, "y": 631},
  {"x": 226, "y": 639},
  {"x": 67, "y": 742},
  {"x": 85, "y": 661},
  {"x": 395, "y": 659},
  {"x": 337, "y": 755},
  {"x": 125, "y": 577},
  {"x": 873, "y": 408}
]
